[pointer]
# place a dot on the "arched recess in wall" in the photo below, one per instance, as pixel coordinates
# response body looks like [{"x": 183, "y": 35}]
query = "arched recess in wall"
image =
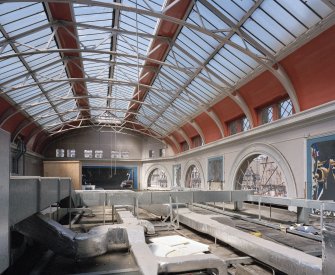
[
  {"x": 193, "y": 175},
  {"x": 241, "y": 169},
  {"x": 157, "y": 177}
]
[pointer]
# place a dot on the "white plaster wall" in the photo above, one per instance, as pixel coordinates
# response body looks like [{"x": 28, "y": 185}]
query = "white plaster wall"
[{"x": 288, "y": 137}]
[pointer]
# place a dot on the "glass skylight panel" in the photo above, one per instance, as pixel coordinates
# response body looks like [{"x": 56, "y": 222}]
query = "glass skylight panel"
[
  {"x": 171, "y": 115},
  {"x": 11, "y": 67},
  {"x": 96, "y": 69},
  {"x": 119, "y": 115},
  {"x": 236, "y": 39},
  {"x": 94, "y": 15},
  {"x": 187, "y": 108},
  {"x": 319, "y": 7},
  {"x": 155, "y": 99},
  {"x": 51, "y": 72},
  {"x": 95, "y": 88},
  {"x": 70, "y": 116},
  {"x": 38, "y": 109},
  {"x": 36, "y": 61},
  {"x": 300, "y": 11},
  {"x": 23, "y": 19},
  {"x": 273, "y": 27},
  {"x": 158, "y": 130},
  {"x": 92, "y": 38},
  {"x": 95, "y": 56},
  {"x": 38, "y": 101},
  {"x": 226, "y": 56},
  {"x": 9, "y": 9},
  {"x": 202, "y": 89},
  {"x": 25, "y": 94},
  {"x": 230, "y": 66},
  {"x": 107, "y": 117},
  {"x": 246, "y": 59},
  {"x": 177, "y": 76},
  {"x": 182, "y": 59},
  {"x": 19, "y": 83},
  {"x": 281, "y": 15},
  {"x": 122, "y": 91},
  {"x": 95, "y": 113},
  {"x": 128, "y": 44},
  {"x": 263, "y": 36},
  {"x": 161, "y": 96},
  {"x": 190, "y": 98},
  {"x": 50, "y": 86},
  {"x": 121, "y": 106},
  {"x": 125, "y": 74},
  {"x": 59, "y": 91},
  {"x": 164, "y": 123},
  {"x": 36, "y": 40},
  {"x": 97, "y": 102},
  {"x": 165, "y": 84},
  {"x": 162, "y": 83},
  {"x": 194, "y": 44},
  {"x": 66, "y": 106},
  {"x": 143, "y": 119},
  {"x": 175, "y": 119},
  {"x": 223, "y": 71},
  {"x": 50, "y": 122},
  {"x": 233, "y": 9},
  {"x": 145, "y": 5},
  {"x": 145, "y": 110},
  {"x": 96, "y": 39},
  {"x": 145, "y": 23},
  {"x": 207, "y": 19}
]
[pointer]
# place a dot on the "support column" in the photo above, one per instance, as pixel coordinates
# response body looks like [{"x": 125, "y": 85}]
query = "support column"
[
  {"x": 328, "y": 251},
  {"x": 303, "y": 215},
  {"x": 4, "y": 200}
]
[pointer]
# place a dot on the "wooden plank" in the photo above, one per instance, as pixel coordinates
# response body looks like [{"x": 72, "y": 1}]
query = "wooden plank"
[{"x": 71, "y": 169}]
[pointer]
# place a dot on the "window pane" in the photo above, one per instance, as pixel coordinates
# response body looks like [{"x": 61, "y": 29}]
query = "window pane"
[
  {"x": 285, "y": 108},
  {"x": 115, "y": 154},
  {"x": 71, "y": 153},
  {"x": 98, "y": 154},
  {"x": 267, "y": 115},
  {"x": 88, "y": 154},
  {"x": 151, "y": 153},
  {"x": 245, "y": 124},
  {"x": 59, "y": 153}
]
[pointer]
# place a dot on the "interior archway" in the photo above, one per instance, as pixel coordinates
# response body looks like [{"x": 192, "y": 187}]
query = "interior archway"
[
  {"x": 158, "y": 178},
  {"x": 262, "y": 174},
  {"x": 253, "y": 151},
  {"x": 193, "y": 177}
]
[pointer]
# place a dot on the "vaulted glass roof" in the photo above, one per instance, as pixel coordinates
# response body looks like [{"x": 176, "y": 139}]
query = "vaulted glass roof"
[{"x": 131, "y": 63}]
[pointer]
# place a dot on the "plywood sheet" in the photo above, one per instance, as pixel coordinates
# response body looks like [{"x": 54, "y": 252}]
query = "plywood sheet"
[{"x": 72, "y": 169}]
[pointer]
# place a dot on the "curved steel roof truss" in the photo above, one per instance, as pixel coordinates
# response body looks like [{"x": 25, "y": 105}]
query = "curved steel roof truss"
[{"x": 109, "y": 56}]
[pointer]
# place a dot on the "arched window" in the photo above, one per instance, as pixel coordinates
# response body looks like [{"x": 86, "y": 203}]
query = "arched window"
[
  {"x": 193, "y": 177},
  {"x": 157, "y": 178},
  {"x": 262, "y": 174}
]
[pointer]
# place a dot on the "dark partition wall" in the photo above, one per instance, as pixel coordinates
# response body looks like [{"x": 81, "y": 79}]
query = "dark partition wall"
[{"x": 109, "y": 177}]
